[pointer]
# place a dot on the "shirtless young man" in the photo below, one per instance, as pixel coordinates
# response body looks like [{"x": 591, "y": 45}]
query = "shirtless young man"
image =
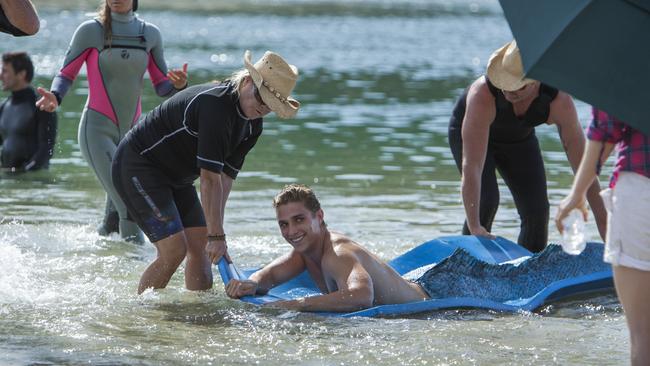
[{"x": 348, "y": 275}]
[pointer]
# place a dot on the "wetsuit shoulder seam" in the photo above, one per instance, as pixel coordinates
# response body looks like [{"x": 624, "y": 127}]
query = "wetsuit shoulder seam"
[{"x": 205, "y": 92}]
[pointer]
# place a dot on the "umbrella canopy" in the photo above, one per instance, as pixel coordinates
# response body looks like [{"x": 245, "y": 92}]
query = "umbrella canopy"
[{"x": 596, "y": 50}]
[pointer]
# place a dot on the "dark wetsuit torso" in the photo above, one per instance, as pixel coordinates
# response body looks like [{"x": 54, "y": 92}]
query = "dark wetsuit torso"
[
  {"x": 7, "y": 27},
  {"x": 159, "y": 159},
  {"x": 512, "y": 149},
  {"x": 27, "y": 135}
]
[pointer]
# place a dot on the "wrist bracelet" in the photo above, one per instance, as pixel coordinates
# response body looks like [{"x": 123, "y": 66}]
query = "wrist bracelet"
[{"x": 217, "y": 237}]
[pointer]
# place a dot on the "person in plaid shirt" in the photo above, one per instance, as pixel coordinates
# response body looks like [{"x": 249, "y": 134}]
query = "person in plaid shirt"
[{"x": 627, "y": 245}]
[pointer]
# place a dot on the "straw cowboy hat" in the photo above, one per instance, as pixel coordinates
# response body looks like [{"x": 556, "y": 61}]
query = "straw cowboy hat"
[
  {"x": 275, "y": 79},
  {"x": 505, "y": 70}
]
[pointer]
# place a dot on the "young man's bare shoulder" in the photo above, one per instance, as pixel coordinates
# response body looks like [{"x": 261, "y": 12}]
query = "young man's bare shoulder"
[
  {"x": 343, "y": 247},
  {"x": 342, "y": 243}
]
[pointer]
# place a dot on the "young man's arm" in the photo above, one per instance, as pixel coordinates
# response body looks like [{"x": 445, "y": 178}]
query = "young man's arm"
[
  {"x": 273, "y": 274},
  {"x": 564, "y": 115},
  {"x": 355, "y": 289}
]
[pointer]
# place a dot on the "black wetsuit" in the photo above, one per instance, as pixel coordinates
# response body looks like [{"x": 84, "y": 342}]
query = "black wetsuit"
[
  {"x": 157, "y": 162},
  {"x": 7, "y": 27},
  {"x": 513, "y": 149},
  {"x": 26, "y": 134}
]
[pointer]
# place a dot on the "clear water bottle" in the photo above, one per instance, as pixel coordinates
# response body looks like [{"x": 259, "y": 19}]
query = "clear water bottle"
[{"x": 573, "y": 237}]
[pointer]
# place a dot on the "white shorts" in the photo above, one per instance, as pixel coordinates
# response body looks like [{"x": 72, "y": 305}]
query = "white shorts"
[{"x": 628, "y": 222}]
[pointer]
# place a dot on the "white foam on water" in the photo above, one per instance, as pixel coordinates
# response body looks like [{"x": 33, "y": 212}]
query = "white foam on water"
[
  {"x": 21, "y": 273},
  {"x": 52, "y": 265}
]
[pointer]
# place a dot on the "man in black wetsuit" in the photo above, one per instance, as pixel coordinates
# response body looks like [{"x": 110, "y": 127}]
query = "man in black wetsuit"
[
  {"x": 493, "y": 128},
  {"x": 203, "y": 131},
  {"x": 18, "y": 17},
  {"x": 26, "y": 134}
]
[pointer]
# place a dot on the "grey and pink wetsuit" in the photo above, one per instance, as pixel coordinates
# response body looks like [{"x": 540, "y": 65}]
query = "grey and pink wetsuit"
[{"x": 115, "y": 70}]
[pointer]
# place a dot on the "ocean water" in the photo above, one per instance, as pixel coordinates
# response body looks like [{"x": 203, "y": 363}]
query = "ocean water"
[{"x": 378, "y": 80}]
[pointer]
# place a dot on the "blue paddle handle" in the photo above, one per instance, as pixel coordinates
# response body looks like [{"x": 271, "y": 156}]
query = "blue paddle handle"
[{"x": 225, "y": 270}]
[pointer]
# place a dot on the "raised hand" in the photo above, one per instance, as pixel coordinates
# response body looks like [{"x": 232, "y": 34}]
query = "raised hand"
[
  {"x": 178, "y": 77},
  {"x": 47, "y": 102}
]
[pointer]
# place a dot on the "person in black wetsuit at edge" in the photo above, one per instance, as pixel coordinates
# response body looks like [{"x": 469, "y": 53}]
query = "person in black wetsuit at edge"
[
  {"x": 27, "y": 134},
  {"x": 203, "y": 131},
  {"x": 18, "y": 18},
  {"x": 493, "y": 128}
]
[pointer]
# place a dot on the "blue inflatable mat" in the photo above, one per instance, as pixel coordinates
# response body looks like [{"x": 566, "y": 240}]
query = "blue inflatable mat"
[{"x": 471, "y": 272}]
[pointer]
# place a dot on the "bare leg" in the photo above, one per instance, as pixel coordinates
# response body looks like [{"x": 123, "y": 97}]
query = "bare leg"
[
  {"x": 198, "y": 270},
  {"x": 171, "y": 252},
  {"x": 633, "y": 289}
]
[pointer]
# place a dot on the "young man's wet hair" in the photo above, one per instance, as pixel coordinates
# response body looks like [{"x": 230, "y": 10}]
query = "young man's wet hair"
[{"x": 297, "y": 193}]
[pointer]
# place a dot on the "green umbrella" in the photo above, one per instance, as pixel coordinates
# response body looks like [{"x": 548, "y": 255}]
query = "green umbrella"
[{"x": 596, "y": 50}]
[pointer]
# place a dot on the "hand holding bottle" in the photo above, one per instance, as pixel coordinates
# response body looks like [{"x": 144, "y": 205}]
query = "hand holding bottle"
[{"x": 570, "y": 222}]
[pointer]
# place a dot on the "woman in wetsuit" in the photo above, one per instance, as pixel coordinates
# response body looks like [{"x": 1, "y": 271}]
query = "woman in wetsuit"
[
  {"x": 117, "y": 48},
  {"x": 204, "y": 131},
  {"x": 493, "y": 128}
]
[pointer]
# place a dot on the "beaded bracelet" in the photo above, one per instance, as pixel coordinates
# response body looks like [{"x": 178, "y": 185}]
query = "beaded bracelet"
[{"x": 217, "y": 237}]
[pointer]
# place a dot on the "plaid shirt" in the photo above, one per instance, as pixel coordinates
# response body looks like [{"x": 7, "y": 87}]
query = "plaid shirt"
[{"x": 633, "y": 146}]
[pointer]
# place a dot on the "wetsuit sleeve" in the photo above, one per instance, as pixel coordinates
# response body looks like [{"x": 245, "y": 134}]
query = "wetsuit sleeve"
[
  {"x": 7, "y": 27},
  {"x": 46, "y": 125},
  {"x": 157, "y": 67},
  {"x": 213, "y": 134},
  {"x": 84, "y": 41},
  {"x": 235, "y": 161}
]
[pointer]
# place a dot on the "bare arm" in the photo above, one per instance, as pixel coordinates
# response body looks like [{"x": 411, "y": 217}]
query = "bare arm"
[
  {"x": 226, "y": 187},
  {"x": 275, "y": 273},
  {"x": 355, "y": 289},
  {"x": 215, "y": 188},
  {"x": 582, "y": 181},
  {"x": 22, "y": 15},
  {"x": 564, "y": 115},
  {"x": 476, "y": 131}
]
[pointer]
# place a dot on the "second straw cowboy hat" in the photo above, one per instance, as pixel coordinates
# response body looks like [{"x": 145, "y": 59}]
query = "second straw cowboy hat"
[
  {"x": 505, "y": 70},
  {"x": 275, "y": 79}
]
